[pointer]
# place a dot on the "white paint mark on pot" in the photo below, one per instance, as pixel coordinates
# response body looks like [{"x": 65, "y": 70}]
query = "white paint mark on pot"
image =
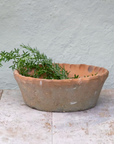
[
  {"x": 72, "y": 103},
  {"x": 80, "y": 81},
  {"x": 95, "y": 92},
  {"x": 40, "y": 82},
  {"x": 74, "y": 88}
]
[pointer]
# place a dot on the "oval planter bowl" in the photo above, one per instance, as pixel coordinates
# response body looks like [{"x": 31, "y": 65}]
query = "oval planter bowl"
[{"x": 64, "y": 95}]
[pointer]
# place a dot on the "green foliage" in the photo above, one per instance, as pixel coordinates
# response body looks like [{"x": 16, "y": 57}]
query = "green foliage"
[
  {"x": 92, "y": 75},
  {"x": 76, "y": 76},
  {"x": 32, "y": 59}
]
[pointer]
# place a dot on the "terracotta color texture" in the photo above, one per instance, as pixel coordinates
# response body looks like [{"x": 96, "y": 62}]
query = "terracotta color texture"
[{"x": 64, "y": 95}]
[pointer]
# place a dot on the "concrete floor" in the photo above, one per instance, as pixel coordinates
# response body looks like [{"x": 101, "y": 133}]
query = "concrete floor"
[{"x": 20, "y": 124}]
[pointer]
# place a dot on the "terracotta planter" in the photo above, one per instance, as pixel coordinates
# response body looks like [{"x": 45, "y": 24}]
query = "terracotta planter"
[{"x": 64, "y": 95}]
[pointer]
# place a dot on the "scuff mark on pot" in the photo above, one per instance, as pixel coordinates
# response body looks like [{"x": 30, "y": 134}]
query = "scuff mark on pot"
[
  {"x": 72, "y": 103},
  {"x": 95, "y": 92},
  {"x": 40, "y": 82},
  {"x": 74, "y": 87},
  {"x": 80, "y": 81}
]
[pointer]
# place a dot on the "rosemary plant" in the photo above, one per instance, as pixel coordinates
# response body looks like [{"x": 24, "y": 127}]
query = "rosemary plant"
[{"x": 31, "y": 59}]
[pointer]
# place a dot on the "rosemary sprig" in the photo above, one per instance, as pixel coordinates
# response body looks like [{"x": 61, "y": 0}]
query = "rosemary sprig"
[{"x": 31, "y": 59}]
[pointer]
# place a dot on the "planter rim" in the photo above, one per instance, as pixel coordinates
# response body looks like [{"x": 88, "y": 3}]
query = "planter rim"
[{"x": 105, "y": 72}]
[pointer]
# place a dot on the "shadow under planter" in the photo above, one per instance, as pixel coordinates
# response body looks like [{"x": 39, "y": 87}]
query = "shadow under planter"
[{"x": 65, "y": 95}]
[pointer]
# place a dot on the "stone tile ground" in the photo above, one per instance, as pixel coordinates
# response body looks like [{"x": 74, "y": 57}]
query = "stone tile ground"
[{"x": 19, "y": 124}]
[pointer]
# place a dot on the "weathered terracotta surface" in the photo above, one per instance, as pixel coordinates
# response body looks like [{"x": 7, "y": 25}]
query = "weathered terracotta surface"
[{"x": 64, "y": 95}]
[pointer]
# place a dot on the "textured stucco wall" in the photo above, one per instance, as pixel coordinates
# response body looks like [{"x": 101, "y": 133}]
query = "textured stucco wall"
[{"x": 74, "y": 31}]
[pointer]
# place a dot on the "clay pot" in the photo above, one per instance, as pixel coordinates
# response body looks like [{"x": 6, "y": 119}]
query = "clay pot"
[{"x": 64, "y": 95}]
